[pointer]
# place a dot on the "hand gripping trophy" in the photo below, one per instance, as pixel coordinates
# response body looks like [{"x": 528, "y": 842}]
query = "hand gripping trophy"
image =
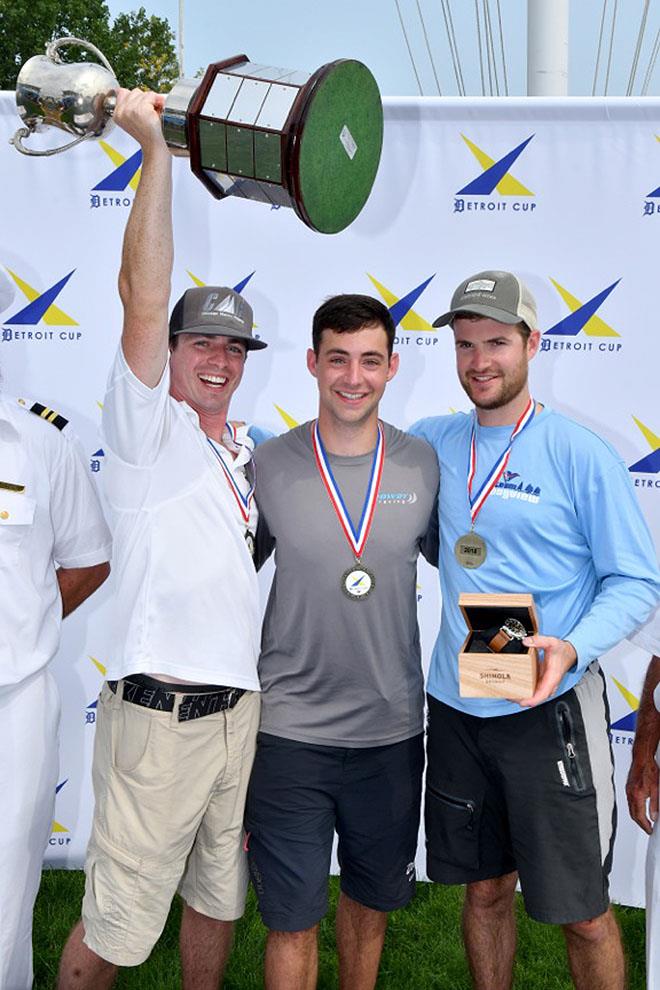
[{"x": 311, "y": 142}]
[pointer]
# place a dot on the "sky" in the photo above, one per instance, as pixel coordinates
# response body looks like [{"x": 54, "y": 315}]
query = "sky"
[{"x": 303, "y": 34}]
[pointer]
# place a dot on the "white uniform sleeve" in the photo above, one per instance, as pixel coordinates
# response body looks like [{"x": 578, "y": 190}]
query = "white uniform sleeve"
[
  {"x": 648, "y": 636},
  {"x": 81, "y": 536},
  {"x": 135, "y": 417}
]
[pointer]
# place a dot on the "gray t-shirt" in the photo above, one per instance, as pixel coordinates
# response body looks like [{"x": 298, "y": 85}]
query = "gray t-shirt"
[{"x": 336, "y": 671}]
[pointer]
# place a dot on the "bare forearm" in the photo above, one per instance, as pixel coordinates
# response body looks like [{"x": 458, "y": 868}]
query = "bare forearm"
[
  {"x": 148, "y": 251},
  {"x": 642, "y": 783},
  {"x": 647, "y": 731},
  {"x": 78, "y": 583}
]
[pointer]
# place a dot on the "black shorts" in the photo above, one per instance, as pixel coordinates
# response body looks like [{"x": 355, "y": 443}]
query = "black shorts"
[
  {"x": 300, "y": 794},
  {"x": 531, "y": 792}
]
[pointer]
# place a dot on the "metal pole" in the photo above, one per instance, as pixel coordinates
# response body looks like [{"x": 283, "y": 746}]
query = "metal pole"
[
  {"x": 547, "y": 47},
  {"x": 180, "y": 39}
]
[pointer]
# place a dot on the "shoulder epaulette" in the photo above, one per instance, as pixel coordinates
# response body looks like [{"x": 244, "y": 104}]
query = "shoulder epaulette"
[{"x": 49, "y": 414}]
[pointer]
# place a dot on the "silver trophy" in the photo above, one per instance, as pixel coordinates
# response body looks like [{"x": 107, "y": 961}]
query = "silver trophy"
[
  {"x": 311, "y": 142},
  {"x": 76, "y": 97}
]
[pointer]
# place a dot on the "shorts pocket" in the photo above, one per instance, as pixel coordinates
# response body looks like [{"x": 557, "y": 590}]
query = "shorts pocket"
[
  {"x": 131, "y": 729},
  {"x": 452, "y": 827},
  {"x": 570, "y": 766}
]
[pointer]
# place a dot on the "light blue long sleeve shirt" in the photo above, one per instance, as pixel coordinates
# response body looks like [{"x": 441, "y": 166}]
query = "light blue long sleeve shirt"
[{"x": 563, "y": 524}]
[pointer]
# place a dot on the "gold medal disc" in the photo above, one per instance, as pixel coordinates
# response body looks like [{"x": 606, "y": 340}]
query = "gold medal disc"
[{"x": 470, "y": 550}]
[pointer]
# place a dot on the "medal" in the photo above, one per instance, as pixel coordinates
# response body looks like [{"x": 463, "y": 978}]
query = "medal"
[
  {"x": 243, "y": 502},
  {"x": 358, "y": 581},
  {"x": 470, "y": 550}
]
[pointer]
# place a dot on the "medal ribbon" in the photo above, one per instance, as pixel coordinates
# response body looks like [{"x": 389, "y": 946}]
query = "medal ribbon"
[
  {"x": 357, "y": 537},
  {"x": 243, "y": 501},
  {"x": 498, "y": 469}
]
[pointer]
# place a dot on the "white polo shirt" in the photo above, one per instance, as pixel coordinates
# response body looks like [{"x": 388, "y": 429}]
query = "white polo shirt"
[
  {"x": 52, "y": 520},
  {"x": 186, "y": 594}
]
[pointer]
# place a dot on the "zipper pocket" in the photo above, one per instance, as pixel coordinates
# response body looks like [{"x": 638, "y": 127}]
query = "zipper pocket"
[
  {"x": 460, "y": 804},
  {"x": 567, "y": 737}
]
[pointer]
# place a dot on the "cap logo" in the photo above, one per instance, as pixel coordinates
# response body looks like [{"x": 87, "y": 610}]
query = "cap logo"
[
  {"x": 215, "y": 304},
  {"x": 480, "y": 285}
]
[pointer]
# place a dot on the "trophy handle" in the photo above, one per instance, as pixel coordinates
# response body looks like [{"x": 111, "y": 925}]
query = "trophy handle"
[
  {"x": 52, "y": 50},
  {"x": 108, "y": 105},
  {"x": 24, "y": 132}
]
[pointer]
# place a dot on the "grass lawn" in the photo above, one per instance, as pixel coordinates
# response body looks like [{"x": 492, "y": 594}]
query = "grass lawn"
[{"x": 423, "y": 949}]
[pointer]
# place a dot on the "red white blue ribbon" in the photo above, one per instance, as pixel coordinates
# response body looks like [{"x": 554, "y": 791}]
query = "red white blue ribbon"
[
  {"x": 244, "y": 502},
  {"x": 356, "y": 535},
  {"x": 498, "y": 469}
]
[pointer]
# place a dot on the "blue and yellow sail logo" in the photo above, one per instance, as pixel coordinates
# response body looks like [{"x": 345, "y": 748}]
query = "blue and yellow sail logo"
[
  {"x": 401, "y": 307},
  {"x": 237, "y": 288},
  {"x": 57, "y": 828},
  {"x": 126, "y": 171},
  {"x": 650, "y": 464},
  {"x": 583, "y": 316},
  {"x": 90, "y": 711},
  {"x": 628, "y": 722},
  {"x": 496, "y": 175},
  {"x": 41, "y": 305},
  {"x": 656, "y": 192}
]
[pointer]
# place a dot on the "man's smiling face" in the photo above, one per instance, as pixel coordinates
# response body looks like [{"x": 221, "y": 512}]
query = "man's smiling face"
[
  {"x": 492, "y": 361},
  {"x": 206, "y": 370},
  {"x": 352, "y": 369}
]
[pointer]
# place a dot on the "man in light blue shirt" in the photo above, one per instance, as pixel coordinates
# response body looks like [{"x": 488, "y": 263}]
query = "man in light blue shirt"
[{"x": 523, "y": 790}]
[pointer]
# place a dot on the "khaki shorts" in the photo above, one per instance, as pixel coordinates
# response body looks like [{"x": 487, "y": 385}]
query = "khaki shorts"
[{"x": 168, "y": 815}]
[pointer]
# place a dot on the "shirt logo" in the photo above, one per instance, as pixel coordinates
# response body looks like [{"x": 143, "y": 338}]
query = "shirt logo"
[
  {"x": 397, "y": 498},
  {"x": 511, "y": 486}
]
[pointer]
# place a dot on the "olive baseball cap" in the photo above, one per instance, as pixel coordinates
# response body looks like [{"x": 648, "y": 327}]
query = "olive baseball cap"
[
  {"x": 500, "y": 296},
  {"x": 215, "y": 310}
]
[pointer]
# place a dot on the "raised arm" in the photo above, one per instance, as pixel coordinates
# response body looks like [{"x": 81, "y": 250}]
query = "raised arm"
[{"x": 146, "y": 266}]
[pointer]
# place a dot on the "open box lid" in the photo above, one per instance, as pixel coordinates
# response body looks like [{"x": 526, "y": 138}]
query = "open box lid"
[{"x": 482, "y": 611}]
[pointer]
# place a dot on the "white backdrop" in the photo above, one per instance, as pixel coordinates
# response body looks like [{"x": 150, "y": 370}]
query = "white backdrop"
[{"x": 565, "y": 193}]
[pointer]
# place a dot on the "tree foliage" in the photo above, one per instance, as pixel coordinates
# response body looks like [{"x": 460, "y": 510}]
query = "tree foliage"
[{"x": 139, "y": 47}]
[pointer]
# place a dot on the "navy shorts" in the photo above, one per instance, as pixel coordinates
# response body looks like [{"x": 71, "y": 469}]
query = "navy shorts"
[
  {"x": 531, "y": 792},
  {"x": 300, "y": 794}
]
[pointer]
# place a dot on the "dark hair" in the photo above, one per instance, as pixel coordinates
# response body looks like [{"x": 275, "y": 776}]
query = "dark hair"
[
  {"x": 348, "y": 313},
  {"x": 521, "y": 327}
]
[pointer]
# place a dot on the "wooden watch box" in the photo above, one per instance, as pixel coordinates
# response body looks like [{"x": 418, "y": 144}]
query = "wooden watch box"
[{"x": 486, "y": 673}]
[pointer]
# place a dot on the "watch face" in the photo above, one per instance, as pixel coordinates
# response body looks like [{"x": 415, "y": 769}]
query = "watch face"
[{"x": 515, "y": 629}]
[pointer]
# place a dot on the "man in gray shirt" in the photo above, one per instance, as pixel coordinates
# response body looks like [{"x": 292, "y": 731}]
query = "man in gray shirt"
[{"x": 346, "y": 503}]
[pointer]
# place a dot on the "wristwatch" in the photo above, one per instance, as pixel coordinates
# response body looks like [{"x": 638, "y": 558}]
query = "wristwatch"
[{"x": 511, "y": 629}]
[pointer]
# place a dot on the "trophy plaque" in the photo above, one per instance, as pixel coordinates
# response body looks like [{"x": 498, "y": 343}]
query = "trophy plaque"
[
  {"x": 493, "y": 663},
  {"x": 311, "y": 142}
]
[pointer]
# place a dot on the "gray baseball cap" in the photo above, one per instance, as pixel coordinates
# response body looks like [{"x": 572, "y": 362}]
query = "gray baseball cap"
[
  {"x": 501, "y": 296},
  {"x": 215, "y": 310}
]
